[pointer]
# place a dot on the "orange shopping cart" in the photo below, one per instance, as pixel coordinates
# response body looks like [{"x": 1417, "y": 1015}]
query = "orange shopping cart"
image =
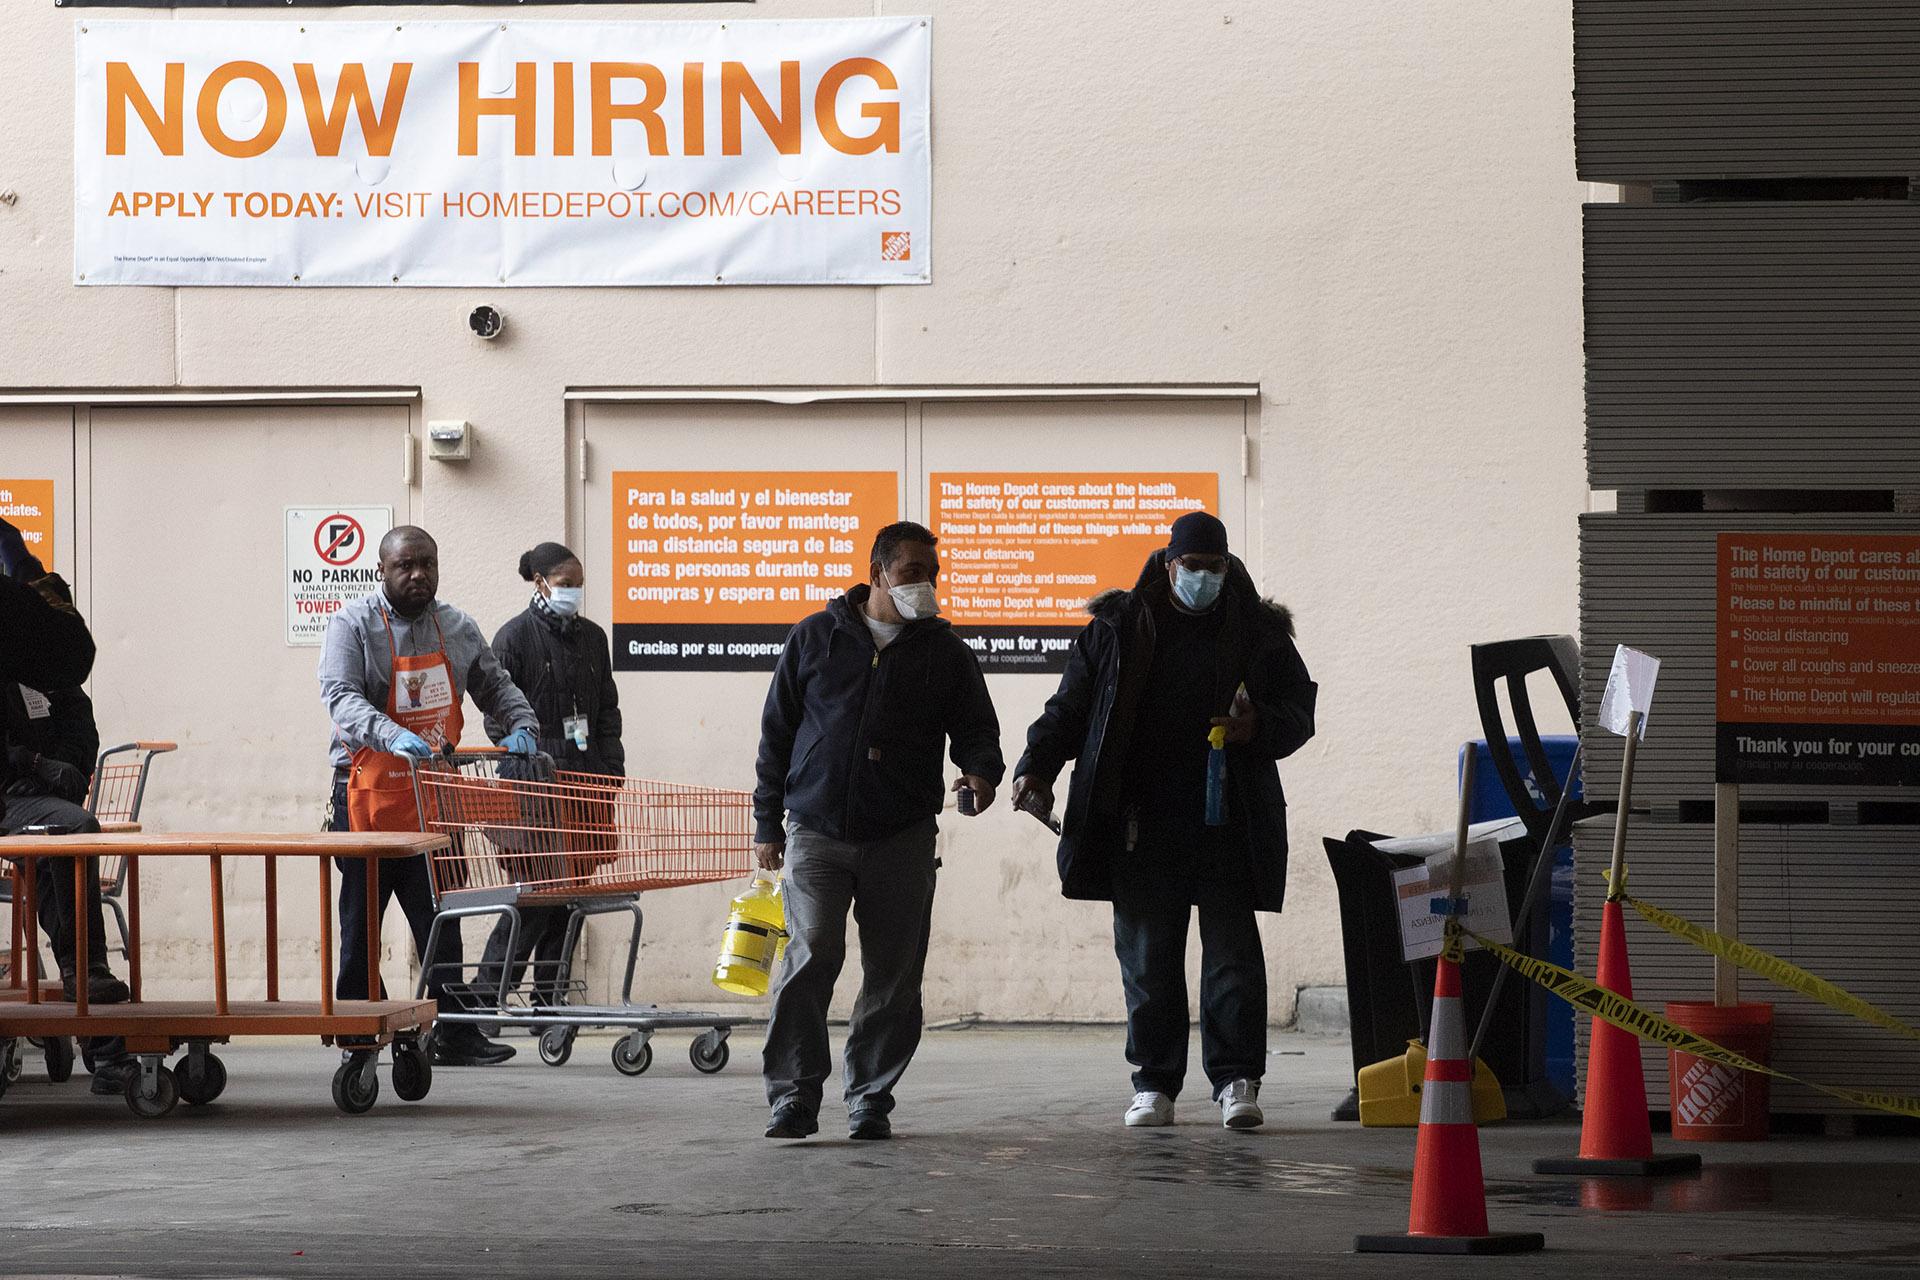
[{"x": 524, "y": 834}]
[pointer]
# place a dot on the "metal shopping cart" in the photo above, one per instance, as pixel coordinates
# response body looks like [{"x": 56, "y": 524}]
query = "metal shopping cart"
[{"x": 523, "y": 834}]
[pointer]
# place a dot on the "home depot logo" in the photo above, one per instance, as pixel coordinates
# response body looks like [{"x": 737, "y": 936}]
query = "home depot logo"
[
  {"x": 1709, "y": 1092},
  {"x": 896, "y": 246}
]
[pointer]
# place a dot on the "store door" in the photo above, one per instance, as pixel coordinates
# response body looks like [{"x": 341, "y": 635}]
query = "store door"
[{"x": 188, "y": 581}]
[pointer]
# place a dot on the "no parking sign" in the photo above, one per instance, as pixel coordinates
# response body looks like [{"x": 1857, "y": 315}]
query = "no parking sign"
[{"x": 331, "y": 557}]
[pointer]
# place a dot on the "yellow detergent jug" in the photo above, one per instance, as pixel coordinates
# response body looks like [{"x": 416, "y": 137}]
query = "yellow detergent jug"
[{"x": 755, "y": 939}]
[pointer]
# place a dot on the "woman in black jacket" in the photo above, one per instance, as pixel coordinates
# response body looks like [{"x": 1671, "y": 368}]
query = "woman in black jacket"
[{"x": 564, "y": 666}]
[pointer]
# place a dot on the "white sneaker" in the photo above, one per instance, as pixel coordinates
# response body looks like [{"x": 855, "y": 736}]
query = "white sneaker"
[
  {"x": 1240, "y": 1105},
  {"x": 1149, "y": 1110}
]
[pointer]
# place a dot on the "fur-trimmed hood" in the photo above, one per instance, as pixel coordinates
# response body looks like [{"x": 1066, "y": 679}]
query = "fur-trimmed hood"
[{"x": 1152, "y": 585}]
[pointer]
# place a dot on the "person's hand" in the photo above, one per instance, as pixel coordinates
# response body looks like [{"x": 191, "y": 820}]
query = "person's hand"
[
  {"x": 64, "y": 780},
  {"x": 14, "y": 556},
  {"x": 769, "y": 855},
  {"x": 1240, "y": 727},
  {"x": 412, "y": 746},
  {"x": 982, "y": 791},
  {"x": 520, "y": 742},
  {"x": 1032, "y": 795}
]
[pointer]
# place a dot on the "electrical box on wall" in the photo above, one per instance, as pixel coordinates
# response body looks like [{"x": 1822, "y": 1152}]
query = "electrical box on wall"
[{"x": 450, "y": 440}]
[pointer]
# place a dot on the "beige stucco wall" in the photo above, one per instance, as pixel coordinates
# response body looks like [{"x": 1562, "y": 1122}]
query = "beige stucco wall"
[{"x": 1366, "y": 208}]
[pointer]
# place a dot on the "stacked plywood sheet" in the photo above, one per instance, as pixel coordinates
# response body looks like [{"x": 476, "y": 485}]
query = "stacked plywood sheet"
[
  {"x": 1745, "y": 88},
  {"x": 1771, "y": 345},
  {"x": 1832, "y": 899},
  {"x": 1753, "y": 365}
]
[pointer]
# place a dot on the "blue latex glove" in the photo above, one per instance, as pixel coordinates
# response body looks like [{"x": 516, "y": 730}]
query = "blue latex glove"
[
  {"x": 412, "y": 745},
  {"x": 520, "y": 742}
]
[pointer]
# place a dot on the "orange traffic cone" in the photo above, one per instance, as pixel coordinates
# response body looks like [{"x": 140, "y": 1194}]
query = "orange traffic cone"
[
  {"x": 1616, "y": 1137},
  {"x": 1449, "y": 1213}
]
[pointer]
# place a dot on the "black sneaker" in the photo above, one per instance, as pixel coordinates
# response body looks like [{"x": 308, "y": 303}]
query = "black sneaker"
[
  {"x": 110, "y": 1076},
  {"x": 458, "y": 1044},
  {"x": 791, "y": 1120},
  {"x": 102, "y": 988},
  {"x": 868, "y": 1126}
]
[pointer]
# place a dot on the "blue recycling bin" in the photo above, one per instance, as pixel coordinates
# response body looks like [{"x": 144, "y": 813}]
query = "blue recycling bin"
[{"x": 1489, "y": 801}]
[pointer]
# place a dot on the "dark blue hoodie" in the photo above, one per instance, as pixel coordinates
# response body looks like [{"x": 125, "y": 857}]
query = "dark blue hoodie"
[{"x": 852, "y": 735}]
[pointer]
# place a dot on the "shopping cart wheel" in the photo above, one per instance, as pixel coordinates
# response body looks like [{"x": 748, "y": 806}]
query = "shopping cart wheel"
[
  {"x": 59, "y": 1055},
  {"x": 356, "y": 1085},
  {"x": 556, "y": 1046},
  {"x": 9, "y": 1050},
  {"x": 632, "y": 1055},
  {"x": 86, "y": 1054},
  {"x": 200, "y": 1082},
  {"x": 709, "y": 1052},
  {"x": 16, "y": 1066},
  {"x": 412, "y": 1071},
  {"x": 164, "y": 1098}
]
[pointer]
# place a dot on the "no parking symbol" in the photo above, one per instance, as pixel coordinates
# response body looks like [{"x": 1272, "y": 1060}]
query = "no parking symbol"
[
  {"x": 339, "y": 539},
  {"x": 328, "y": 564}
]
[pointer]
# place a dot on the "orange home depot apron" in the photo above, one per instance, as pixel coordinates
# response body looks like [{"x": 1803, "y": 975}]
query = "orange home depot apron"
[{"x": 421, "y": 698}]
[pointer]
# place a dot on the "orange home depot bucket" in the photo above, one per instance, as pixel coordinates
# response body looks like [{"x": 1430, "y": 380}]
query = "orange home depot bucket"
[{"x": 1713, "y": 1102}]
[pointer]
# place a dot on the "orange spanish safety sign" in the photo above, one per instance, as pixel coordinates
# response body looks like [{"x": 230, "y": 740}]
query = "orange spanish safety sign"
[
  {"x": 28, "y": 506},
  {"x": 1023, "y": 551},
  {"x": 1818, "y": 658},
  {"x": 713, "y": 568}
]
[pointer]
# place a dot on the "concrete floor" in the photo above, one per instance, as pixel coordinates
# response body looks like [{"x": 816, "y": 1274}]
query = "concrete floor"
[{"x": 1010, "y": 1162}]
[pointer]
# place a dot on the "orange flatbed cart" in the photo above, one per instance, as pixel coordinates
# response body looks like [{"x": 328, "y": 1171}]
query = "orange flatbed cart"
[{"x": 153, "y": 1030}]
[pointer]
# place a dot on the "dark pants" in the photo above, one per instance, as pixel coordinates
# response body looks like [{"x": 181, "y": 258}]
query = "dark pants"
[
  {"x": 57, "y": 905},
  {"x": 1150, "y": 938},
  {"x": 407, "y": 879},
  {"x": 55, "y": 901},
  {"x": 543, "y": 931},
  {"x": 888, "y": 884}
]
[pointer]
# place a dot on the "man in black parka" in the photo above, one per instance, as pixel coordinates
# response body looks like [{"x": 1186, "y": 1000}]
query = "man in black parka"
[{"x": 1192, "y": 647}]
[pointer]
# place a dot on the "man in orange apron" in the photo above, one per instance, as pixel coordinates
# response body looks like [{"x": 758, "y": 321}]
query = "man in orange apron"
[{"x": 394, "y": 670}]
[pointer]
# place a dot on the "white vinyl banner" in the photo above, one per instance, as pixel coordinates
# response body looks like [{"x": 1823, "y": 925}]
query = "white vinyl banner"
[{"x": 316, "y": 152}]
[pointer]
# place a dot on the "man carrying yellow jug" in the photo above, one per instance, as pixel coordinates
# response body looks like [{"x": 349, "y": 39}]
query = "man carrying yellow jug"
[{"x": 867, "y": 694}]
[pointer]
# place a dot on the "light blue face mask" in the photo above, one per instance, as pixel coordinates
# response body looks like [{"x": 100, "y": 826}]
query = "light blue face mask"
[
  {"x": 1197, "y": 588},
  {"x": 566, "y": 601}
]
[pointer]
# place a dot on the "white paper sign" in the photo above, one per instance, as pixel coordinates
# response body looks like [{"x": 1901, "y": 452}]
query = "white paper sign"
[
  {"x": 331, "y": 554},
  {"x": 521, "y": 152},
  {"x": 1629, "y": 689},
  {"x": 1422, "y": 930}
]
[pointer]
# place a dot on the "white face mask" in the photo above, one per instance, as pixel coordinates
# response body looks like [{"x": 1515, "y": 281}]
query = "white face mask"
[
  {"x": 566, "y": 600},
  {"x": 1197, "y": 588},
  {"x": 915, "y": 600}
]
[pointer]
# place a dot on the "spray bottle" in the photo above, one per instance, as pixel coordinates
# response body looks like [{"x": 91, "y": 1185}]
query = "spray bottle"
[{"x": 1217, "y": 776}]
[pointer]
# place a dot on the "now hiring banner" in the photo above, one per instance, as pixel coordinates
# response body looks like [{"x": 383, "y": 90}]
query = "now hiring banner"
[{"x": 519, "y": 153}]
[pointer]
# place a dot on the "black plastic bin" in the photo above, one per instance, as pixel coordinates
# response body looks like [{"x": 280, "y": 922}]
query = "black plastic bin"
[{"x": 1388, "y": 999}]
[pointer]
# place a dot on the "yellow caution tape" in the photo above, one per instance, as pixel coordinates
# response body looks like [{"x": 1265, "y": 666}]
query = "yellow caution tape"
[
  {"x": 1773, "y": 968},
  {"x": 1616, "y": 1009}
]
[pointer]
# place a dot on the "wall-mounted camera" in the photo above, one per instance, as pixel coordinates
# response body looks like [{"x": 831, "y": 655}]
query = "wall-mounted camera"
[{"x": 486, "y": 322}]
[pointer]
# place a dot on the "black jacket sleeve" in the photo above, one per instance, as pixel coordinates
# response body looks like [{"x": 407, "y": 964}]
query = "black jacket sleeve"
[
  {"x": 1284, "y": 696},
  {"x": 608, "y": 724},
  {"x": 973, "y": 726},
  {"x": 512, "y": 657},
  {"x": 73, "y": 736},
  {"x": 46, "y": 648},
  {"x": 779, "y": 725},
  {"x": 1056, "y": 737}
]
